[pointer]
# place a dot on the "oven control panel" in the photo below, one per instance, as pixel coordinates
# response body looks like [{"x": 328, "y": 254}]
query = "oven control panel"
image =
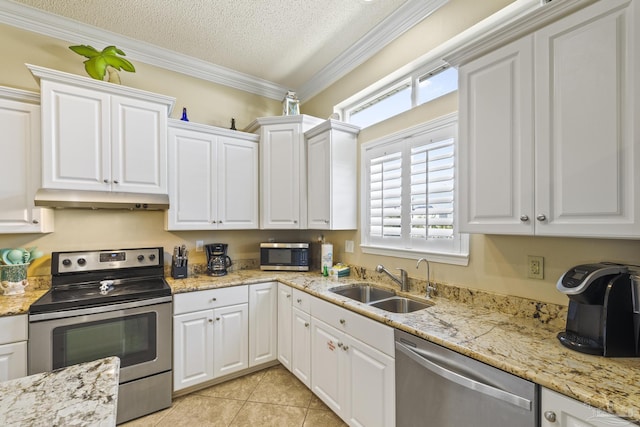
[{"x": 106, "y": 259}]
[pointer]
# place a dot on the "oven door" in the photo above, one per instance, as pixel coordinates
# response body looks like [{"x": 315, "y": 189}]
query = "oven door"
[{"x": 139, "y": 333}]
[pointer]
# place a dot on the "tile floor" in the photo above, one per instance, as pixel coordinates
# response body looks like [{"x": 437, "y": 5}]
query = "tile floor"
[{"x": 271, "y": 397}]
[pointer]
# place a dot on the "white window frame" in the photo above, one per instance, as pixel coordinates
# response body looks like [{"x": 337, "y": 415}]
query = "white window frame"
[{"x": 455, "y": 251}]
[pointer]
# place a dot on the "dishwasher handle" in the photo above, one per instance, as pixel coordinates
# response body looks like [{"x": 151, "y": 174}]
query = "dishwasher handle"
[{"x": 420, "y": 357}]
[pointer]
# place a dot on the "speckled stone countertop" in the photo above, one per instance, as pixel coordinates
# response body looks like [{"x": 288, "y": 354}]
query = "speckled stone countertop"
[
  {"x": 513, "y": 334},
  {"x": 79, "y": 395}
]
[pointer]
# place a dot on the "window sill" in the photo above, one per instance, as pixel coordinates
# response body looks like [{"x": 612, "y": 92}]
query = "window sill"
[{"x": 444, "y": 258}]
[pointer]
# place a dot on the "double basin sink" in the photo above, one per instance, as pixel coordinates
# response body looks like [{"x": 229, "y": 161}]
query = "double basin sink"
[{"x": 382, "y": 298}]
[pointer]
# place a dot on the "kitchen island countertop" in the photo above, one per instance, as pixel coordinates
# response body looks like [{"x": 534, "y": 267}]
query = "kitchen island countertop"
[{"x": 84, "y": 394}]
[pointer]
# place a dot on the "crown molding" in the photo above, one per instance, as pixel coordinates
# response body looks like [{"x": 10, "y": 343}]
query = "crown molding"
[
  {"x": 396, "y": 24},
  {"x": 37, "y": 21},
  {"x": 19, "y": 95}
]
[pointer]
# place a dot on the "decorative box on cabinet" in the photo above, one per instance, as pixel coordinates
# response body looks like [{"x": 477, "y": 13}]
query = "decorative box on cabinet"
[
  {"x": 213, "y": 178},
  {"x": 210, "y": 335},
  {"x": 558, "y": 410},
  {"x": 20, "y": 174},
  {"x": 101, "y": 136},
  {"x": 283, "y": 174},
  {"x": 13, "y": 347},
  {"x": 332, "y": 148},
  {"x": 547, "y": 129}
]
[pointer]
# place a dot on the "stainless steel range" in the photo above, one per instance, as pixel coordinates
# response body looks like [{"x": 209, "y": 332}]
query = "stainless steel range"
[{"x": 108, "y": 303}]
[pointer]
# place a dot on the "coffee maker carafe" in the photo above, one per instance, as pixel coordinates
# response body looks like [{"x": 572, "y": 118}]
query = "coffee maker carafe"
[
  {"x": 217, "y": 259},
  {"x": 600, "y": 318}
]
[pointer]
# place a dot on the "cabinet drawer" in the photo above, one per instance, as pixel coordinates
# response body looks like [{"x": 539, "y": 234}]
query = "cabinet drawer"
[
  {"x": 302, "y": 300},
  {"x": 13, "y": 329},
  {"x": 211, "y": 298},
  {"x": 366, "y": 330}
]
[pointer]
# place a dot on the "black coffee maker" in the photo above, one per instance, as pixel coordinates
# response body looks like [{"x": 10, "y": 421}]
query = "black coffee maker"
[
  {"x": 600, "y": 319},
  {"x": 217, "y": 259}
]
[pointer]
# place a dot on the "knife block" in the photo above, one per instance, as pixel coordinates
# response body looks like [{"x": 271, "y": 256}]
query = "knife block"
[{"x": 179, "y": 272}]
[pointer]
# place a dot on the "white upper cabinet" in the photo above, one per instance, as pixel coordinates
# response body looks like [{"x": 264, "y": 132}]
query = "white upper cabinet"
[
  {"x": 560, "y": 159},
  {"x": 20, "y": 171},
  {"x": 283, "y": 174},
  {"x": 213, "y": 178},
  {"x": 101, "y": 136},
  {"x": 332, "y": 176}
]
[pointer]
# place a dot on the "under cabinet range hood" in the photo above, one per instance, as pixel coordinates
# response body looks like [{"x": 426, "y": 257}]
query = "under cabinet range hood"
[{"x": 81, "y": 199}]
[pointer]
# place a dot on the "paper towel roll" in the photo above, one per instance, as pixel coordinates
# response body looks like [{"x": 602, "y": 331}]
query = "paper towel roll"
[{"x": 326, "y": 256}]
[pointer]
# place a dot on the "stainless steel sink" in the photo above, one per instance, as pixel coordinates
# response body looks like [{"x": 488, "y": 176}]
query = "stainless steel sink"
[
  {"x": 401, "y": 305},
  {"x": 363, "y": 292}
]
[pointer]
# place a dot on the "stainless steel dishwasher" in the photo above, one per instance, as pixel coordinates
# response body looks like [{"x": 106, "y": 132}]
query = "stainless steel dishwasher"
[{"x": 437, "y": 387}]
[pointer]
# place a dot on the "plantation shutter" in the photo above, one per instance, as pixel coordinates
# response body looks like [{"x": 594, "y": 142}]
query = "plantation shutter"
[
  {"x": 432, "y": 190},
  {"x": 385, "y": 178}
]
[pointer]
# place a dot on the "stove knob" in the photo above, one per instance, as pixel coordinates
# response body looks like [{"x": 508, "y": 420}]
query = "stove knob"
[
  {"x": 82, "y": 261},
  {"x": 140, "y": 258},
  {"x": 66, "y": 262},
  {"x": 152, "y": 257}
]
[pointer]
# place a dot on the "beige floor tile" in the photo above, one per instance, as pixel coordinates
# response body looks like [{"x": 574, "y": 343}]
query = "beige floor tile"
[
  {"x": 267, "y": 415},
  {"x": 322, "y": 418},
  {"x": 239, "y": 388},
  {"x": 196, "y": 410},
  {"x": 280, "y": 387},
  {"x": 316, "y": 403}
]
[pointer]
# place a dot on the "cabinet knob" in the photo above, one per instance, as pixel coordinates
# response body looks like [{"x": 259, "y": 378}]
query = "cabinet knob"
[
  {"x": 326, "y": 221},
  {"x": 210, "y": 320},
  {"x": 35, "y": 221},
  {"x": 340, "y": 344},
  {"x": 345, "y": 347},
  {"x": 288, "y": 295},
  {"x": 550, "y": 416},
  {"x": 342, "y": 321},
  {"x": 217, "y": 319},
  {"x": 295, "y": 221},
  {"x": 219, "y": 222},
  {"x": 115, "y": 181},
  {"x": 541, "y": 217},
  {"x": 524, "y": 218},
  {"x": 299, "y": 300},
  {"x": 306, "y": 324},
  {"x": 106, "y": 181},
  {"x": 214, "y": 299}
]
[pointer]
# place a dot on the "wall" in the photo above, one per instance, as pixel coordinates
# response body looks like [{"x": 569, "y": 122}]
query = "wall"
[{"x": 496, "y": 263}]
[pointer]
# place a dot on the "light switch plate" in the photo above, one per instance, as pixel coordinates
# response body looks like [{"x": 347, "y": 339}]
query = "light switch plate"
[
  {"x": 348, "y": 246},
  {"x": 199, "y": 245}
]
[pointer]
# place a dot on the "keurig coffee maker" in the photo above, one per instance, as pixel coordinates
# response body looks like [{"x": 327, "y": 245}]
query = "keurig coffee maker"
[
  {"x": 600, "y": 319},
  {"x": 217, "y": 259}
]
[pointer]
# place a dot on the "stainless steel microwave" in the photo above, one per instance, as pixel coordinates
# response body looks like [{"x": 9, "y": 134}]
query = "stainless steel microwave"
[{"x": 284, "y": 256}]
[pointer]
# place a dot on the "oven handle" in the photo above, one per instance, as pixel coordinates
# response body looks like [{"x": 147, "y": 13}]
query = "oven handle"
[{"x": 99, "y": 309}]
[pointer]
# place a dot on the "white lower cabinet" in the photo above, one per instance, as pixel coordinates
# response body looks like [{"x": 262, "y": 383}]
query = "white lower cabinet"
[
  {"x": 561, "y": 411},
  {"x": 263, "y": 323},
  {"x": 356, "y": 379},
  {"x": 301, "y": 348},
  {"x": 13, "y": 347},
  {"x": 210, "y": 335},
  {"x": 284, "y": 325}
]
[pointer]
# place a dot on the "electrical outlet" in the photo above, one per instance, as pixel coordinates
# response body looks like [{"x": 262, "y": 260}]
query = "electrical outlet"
[
  {"x": 535, "y": 267},
  {"x": 348, "y": 246},
  {"x": 199, "y": 245}
]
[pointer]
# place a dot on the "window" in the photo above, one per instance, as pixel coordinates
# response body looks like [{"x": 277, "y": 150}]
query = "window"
[
  {"x": 382, "y": 101},
  {"x": 408, "y": 205}
]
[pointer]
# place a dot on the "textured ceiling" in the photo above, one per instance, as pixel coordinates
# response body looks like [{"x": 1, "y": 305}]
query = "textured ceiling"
[{"x": 283, "y": 41}]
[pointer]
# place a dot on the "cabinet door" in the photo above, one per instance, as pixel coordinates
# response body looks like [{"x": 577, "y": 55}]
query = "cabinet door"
[
  {"x": 192, "y": 349},
  {"x": 281, "y": 181},
  {"x": 20, "y": 172},
  {"x": 319, "y": 185},
  {"x": 329, "y": 368},
  {"x": 76, "y": 135},
  {"x": 495, "y": 163},
  {"x": 301, "y": 346},
  {"x": 587, "y": 154},
  {"x": 139, "y": 146},
  {"x": 230, "y": 342},
  {"x": 13, "y": 360},
  {"x": 284, "y": 325},
  {"x": 558, "y": 410},
  {"x": 192, "y": 180},
  {"x": 371, "y": 380},
  {"x": 238, "y": 184},
  {"x": 263, "y": 323}
]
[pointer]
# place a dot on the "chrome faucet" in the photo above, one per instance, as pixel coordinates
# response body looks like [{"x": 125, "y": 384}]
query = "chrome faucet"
[
  {"x": 402, "y": 281},
  {"x": 430, "y": 288}
]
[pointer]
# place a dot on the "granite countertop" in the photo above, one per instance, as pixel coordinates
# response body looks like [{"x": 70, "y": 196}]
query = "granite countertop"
[
  {"x": 79, "y": 395},
  {"x": 513, "y": 334}
]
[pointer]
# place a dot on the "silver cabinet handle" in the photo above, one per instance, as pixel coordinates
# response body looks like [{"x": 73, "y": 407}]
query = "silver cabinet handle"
[
  {"x": 35, "y": 221},
  {"x": 213, "y": 299},
  {"x": 288, "y": 295},
  {"x": 295, "y": 221},
  {"x": 306, "y": 324},
  {"x": 550, "y": 416},
  {"x": 299, "y": 300},
  {"x": 106, "y": 181},
  {"x": 420, "y": 357},
  {"x": 541, "y": 217},
  {"x": 217, "y": 318},
  {"x": 340, "y": 344},
  {"x": 342, "y": 321},
  {"x": 115, "y": 181},
  {"x": 210, "y": 320},
  {"x": 524, "y": 218}
]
